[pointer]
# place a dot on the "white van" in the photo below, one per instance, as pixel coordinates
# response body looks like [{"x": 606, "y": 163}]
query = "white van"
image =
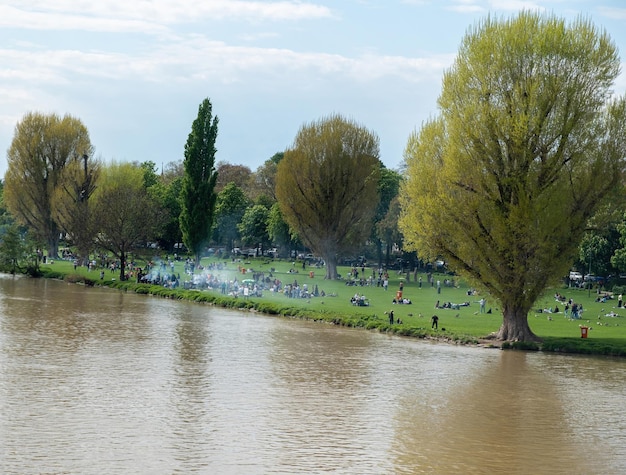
[{"x": 575, "y": 276}]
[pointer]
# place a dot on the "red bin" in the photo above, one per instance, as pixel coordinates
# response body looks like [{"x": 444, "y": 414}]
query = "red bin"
[{"x": 584, "y": 332}]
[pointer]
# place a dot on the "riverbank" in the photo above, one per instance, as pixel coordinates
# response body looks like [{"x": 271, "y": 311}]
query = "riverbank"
[{"x": 368, "y": 305}]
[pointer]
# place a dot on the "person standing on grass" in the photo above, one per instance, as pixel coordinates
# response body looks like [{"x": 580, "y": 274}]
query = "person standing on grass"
[{"x": 435, "y": 320}]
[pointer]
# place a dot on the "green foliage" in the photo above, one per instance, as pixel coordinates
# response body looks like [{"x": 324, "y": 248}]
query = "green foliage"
[
  {"x": 585, "y": 346},
  {"x": 525, "y": 151},
  {"x": 125, "y": 214},
  {"x": 150, "y": 177},
  {"x": 619, "y": 257},
  {"x": 253, "y": 226},
  {"x": 278, "y": 230},
  {"x": 595, "y": 252},
  {"x": 198, "y": 188},
  {"x": 326, "y": 186},
  {"x": 12, "y": 250},
  {"x": 229, "y": 209},
  {"x": 265, "y": 176},
  {"x": 73, "y": 204},
  {"x": 42, "y": 146}
]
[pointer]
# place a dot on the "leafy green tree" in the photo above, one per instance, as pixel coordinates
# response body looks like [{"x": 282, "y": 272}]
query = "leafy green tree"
[
  {"x": 253, "y": 226},
  {"x": 526, "y": 148},
  {"x": 229, "y": 209},
  {"x": 326, "y": 186},
  {"x": 595, "y": 252},
  {"x": 279, "y": 231},
  {"x": 387, "y": 233},
  {"x": 264, "y": 179},
  {"x": 618, "y": 259},
  {"x": 164, "y": 190},
  {"x": 12, "y": 250},
  {"x": 6, "y": 218},
  {"x": 150, "y": 175},
  {"x": 124, "y": 213},
  {"x": 168, "y": 197},
  {"x": 387, "y": 228},
  {"x": 73, "y": 206},
  {"x": 198, "y": 190},
  {"x": 42, "y": 146}
]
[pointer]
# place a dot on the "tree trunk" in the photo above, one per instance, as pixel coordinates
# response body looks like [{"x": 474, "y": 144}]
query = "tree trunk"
[
  {"x": 53, "y": 248},
  {"x": 379, "y": 250},
  {"x": 122, "y": 266},
  {"x": 331, "y": 267},
  {"x": 515, "y": 326},
  {"x": 387, "y": 252}
]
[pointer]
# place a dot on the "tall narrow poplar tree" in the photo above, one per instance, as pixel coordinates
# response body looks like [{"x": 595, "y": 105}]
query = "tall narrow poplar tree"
[{"x": 197, "y": 194}]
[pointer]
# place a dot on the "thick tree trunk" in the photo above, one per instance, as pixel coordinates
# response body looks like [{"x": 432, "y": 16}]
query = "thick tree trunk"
[
  {"x": 122, "y": 266},
  {"x": 515, "y": 327},
  {"x": 331, "y": 267},
  {"x": 53, "y": 247}
]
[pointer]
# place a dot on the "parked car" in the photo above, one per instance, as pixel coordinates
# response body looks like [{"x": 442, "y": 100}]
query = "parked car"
[{"x": 576, "y": 276}]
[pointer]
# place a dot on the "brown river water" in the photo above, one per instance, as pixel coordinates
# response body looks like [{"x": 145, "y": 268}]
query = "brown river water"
[{"x": 95, "y": 381}]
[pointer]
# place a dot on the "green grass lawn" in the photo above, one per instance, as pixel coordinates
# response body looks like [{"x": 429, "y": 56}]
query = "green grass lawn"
[{"x": 463, "y": 323}]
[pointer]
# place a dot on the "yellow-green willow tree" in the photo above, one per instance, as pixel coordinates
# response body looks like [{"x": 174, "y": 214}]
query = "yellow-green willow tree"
[
  {"x": 42, "y": 146},
  {"x": 528, "y": 144},
  {"x": 72, "y": 206},
  {"x": 326, "y": 186},
  {"x": 124, "y": 216}
]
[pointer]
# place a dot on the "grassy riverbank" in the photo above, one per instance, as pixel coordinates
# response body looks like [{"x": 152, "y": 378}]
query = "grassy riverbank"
[{"x": 463, "y": 324}]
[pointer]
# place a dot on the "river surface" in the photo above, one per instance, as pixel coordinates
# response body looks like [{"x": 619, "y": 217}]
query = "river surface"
[{"x": 96, "y": 381}]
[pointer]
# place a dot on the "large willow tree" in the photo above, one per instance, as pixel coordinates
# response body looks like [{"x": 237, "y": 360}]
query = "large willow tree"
[
  {"x": 326, "y": 186},
  {"x": 42, "y": 147},
  {"x": 528, "y": 144},
  {"x": 72, "y": 206}
]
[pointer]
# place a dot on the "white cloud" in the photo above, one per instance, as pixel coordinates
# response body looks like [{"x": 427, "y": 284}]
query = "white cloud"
[
  {"x": 147, "y": 15},
  {"x": 197, "y": 58},
  {"x": 514, "y": 5},
  {"x": 466, "y": 6},
  {"x": 478, "y": 6},
  {"x": 613, "y": 13}
]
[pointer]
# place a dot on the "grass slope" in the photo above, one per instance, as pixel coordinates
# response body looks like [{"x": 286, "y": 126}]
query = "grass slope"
[{"x": 607, "y": 334}]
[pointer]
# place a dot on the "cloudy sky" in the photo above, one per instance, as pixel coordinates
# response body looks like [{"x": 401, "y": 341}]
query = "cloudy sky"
[{"x": 135, "y": 71}]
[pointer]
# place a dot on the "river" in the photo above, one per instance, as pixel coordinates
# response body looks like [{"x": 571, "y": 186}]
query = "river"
[{"x": 97, "y": 381}]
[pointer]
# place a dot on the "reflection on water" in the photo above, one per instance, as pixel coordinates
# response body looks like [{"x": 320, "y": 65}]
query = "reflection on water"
[{"x": 94, "y": 381}]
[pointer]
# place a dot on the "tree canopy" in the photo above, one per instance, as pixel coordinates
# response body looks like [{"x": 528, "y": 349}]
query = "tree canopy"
[
  {"x": 253, "y": 226},
  {"x": 42, "y": 146},
  {"x": 326, "y": 186},
  {"x": 125, "y": 215},
  {"x": 229, "y": 209},
  {"x": 528, "y": 144},
  {"x": 72, "y": 204},
  {"x": 198, "y": 190}
]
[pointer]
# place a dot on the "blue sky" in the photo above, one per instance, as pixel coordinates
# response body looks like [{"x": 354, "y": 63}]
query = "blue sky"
[{"x": 135, "y": 71}]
